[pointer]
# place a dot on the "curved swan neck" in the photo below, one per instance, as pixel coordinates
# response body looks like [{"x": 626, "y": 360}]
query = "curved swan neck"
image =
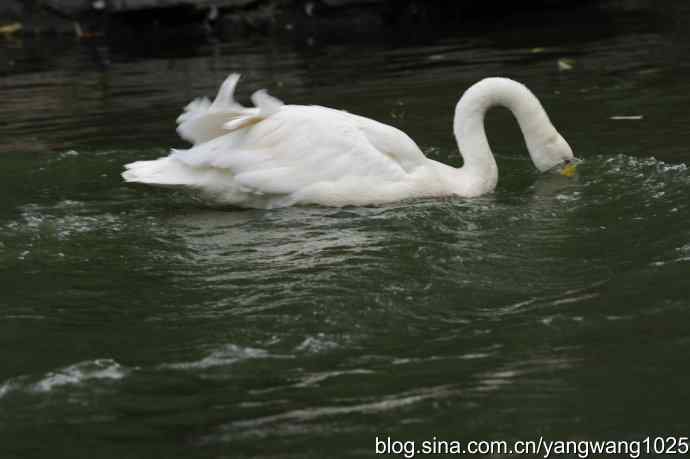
[{"x": 469, "y": 123}]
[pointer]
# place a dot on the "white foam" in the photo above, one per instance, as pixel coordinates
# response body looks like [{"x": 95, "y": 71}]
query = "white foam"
[
  {"x": 71, "y": 375},
  {"x": 227, "y": 355},
  {"x": 5, "y": 388},
  {"x": 69, "y": 153},
  {"x": 80, "y": 372},
  {"x": 316, "y": 344},
  {"x": 62, "y": 221}
]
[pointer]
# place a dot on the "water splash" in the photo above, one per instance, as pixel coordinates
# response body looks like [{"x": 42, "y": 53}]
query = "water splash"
[
  {"x": 316, "y": 344},
  {"x": 79, "y": 373},
  {"x": 225, "y": 356},
  {"x": 73, "y": 375}
]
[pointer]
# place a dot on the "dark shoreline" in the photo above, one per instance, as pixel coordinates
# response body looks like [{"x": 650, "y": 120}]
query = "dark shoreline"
[{"x": 348, "y": 19}]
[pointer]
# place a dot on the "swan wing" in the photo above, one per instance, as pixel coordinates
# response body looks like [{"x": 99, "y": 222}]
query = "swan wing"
[
  {"x": 272, "y": 152},
  {"x": 293, "y": 148},
  {"x": 203, "y": 120},
  {"x": 392, "y": 142}
]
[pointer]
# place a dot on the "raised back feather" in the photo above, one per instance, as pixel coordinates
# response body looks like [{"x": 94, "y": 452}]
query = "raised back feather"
[{"x": 203, "y": 120}]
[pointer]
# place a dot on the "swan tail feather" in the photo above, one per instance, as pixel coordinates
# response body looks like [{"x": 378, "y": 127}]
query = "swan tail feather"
[
  {"x": 161, "y": 172},
  {"x": 203, "y": 120}
]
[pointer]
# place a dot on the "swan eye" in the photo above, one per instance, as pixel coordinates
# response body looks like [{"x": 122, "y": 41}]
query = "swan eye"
[{"x": 567, "y": 161}]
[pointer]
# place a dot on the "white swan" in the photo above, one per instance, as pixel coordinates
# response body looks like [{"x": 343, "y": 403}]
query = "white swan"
[{"x": 277, "y": 155}]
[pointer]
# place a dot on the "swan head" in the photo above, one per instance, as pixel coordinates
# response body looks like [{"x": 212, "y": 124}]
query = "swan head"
[{"x": 554, "y": 154}]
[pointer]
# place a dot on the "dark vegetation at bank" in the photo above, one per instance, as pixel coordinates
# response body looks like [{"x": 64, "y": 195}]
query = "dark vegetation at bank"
[{"x": 339, "y": 19}]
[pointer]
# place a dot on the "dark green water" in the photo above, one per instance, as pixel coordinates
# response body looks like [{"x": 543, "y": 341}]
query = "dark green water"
[{"x": 135, "y": 323}]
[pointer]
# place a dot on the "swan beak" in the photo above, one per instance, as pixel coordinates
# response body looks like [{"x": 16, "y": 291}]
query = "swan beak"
[{"x": 568, "y": 170}]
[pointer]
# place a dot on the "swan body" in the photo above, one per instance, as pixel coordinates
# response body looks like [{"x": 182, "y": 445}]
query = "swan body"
[{"x": 276, "y": 155}]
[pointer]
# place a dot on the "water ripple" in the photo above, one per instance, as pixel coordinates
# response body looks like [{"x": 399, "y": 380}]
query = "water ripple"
[
  {"x": 386, "y": 403},
  {"x": 227, "y": 355}
]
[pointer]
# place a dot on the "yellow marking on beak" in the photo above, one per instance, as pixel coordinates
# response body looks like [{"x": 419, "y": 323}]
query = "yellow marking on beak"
[{"x": 568, "y": 170}]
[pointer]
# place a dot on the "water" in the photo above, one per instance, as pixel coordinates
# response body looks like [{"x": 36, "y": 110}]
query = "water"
[{"x": 136, "y": 323}]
